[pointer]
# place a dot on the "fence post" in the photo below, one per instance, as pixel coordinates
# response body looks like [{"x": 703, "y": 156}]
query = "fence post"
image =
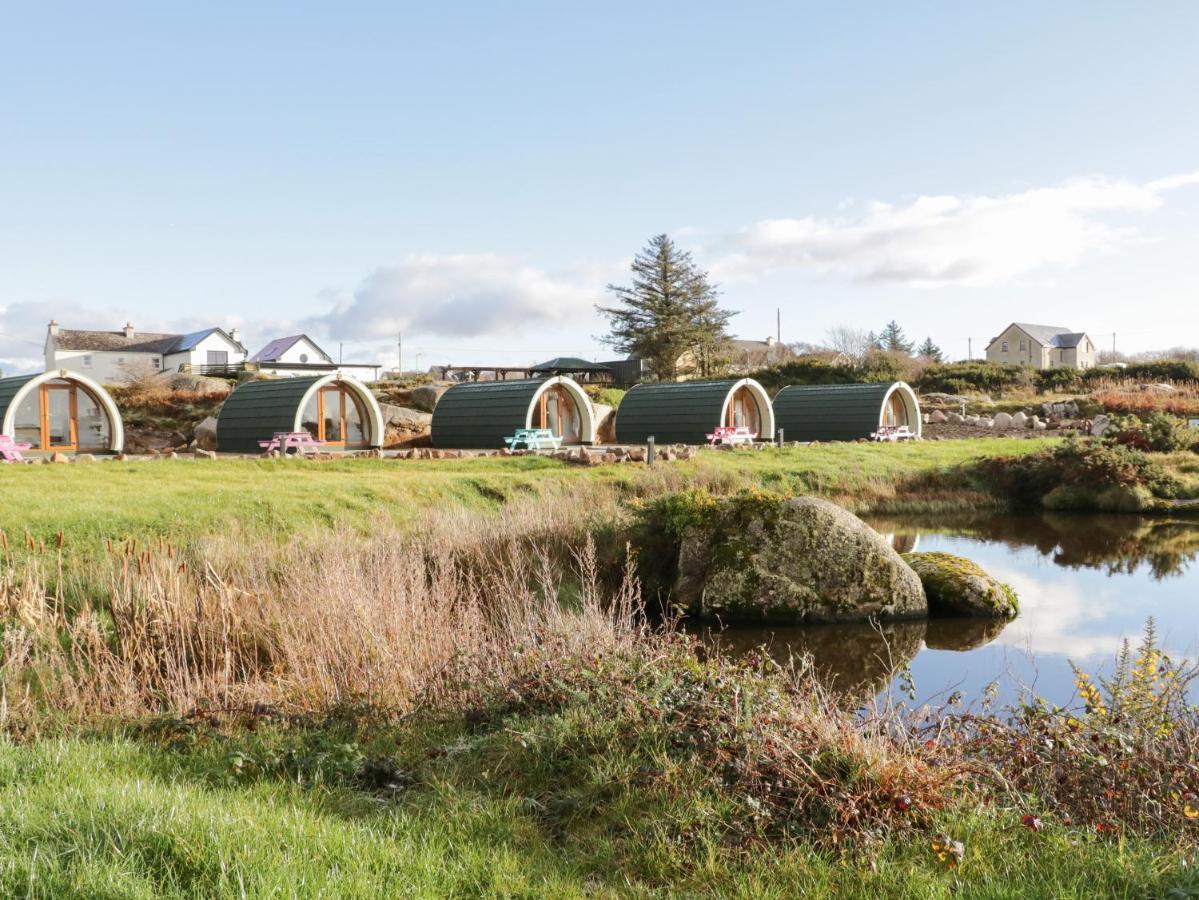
[
  {"x": 649, "y": 450},
  {"x": 780, "y": 439}
]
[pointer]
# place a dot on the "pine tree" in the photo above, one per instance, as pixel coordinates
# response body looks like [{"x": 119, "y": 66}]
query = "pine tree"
[
  {"x": 894, "y": 340},
  {"x": 929, "y": 350},
  {"x": 669, "y": 310}
]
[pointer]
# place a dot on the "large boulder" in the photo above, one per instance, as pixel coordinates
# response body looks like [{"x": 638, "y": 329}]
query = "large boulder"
[
  {"x": 405, "y": 427},
  {"x": 936, "y": 417},
  {"x": 762, "y": 559},
  {"x": 605, "y": 424},
  {"x": 960, "y": 587},
  {"x": 205, "y": 434},
  {"x": 1002, "y": 421},
  {"x": 425, "y": 396},
  {"x": 1020, "y": 420}
]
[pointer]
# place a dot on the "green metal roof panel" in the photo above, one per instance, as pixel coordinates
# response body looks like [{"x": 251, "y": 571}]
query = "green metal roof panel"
[
  {"x": 480, "y": 414},
  {"x": 258, "y": 409},
  {"x": 681, "y": 412},
  {"x": 8, "y": 390},
  {"x": 830, "y": 412}
]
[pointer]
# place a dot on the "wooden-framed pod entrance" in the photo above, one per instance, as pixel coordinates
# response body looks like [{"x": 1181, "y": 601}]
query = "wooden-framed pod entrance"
[
  {"x": 685, "y": 412},
  {"x": 845, "y": 412},
  {"x": 479, "y": 415},
  {"x": 257, "y": 410},
  {"x": 60, "y": 411}
]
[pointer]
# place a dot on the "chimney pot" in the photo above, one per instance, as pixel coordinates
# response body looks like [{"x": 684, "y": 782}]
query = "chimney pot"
[
  {"x": 53, "y": 327},
  {"x": 129, "y": 332}
]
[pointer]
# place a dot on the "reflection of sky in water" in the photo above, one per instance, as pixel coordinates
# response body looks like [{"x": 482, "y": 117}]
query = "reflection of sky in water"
[
  {"x": 1079, "y": 614},
  {"x": 1073, "y": 606}
]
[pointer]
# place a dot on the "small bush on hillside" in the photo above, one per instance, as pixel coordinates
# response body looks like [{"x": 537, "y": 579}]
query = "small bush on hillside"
[
  {"x": 1158, "y": 432},
  {"x": 974, "y": 377},
  {"x": 608, "y": 396},
  {"x": 1050, "y": 381},
  {"x": 878, "y": 366},
  {"x": 1166, "y": 370},
  {"x": 1132, "y": 398},
  {"x": 1078, "y": 475}
]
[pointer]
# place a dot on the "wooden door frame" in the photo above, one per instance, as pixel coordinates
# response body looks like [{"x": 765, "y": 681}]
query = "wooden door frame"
[
  {"x": 44, "y": 417},
  {"x": 347, "y": 396}
]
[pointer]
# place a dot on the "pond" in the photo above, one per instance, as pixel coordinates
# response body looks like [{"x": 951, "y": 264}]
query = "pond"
[{"x": 1086, "y": 584}]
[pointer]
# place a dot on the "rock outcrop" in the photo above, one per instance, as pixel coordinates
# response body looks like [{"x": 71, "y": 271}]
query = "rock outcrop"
[
  {"x": 956, "y": 586},
  {"x": 762, "y": 559},
  {"x": 205, "y": 434},
  {"x": 405, "y": 427}
]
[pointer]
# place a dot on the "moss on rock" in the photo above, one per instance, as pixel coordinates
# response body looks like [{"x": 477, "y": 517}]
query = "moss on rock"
[
  {"x": 956, "y": 586},
  {"x": 761, "y": 558}
]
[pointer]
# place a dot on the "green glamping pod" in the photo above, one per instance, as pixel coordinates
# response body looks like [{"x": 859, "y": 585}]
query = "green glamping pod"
[
  {"x": 845, "y": 412},
  {"x": 685, "y": 412},
  {"x": 480, "y": 414},
  {"x": 339, "y": 411}
]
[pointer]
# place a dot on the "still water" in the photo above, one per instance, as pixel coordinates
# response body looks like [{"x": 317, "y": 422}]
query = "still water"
[{"x": 1086, "y": 584}]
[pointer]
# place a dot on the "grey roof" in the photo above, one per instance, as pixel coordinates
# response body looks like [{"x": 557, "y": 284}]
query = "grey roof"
[
  {"x": 673, "y": 412},
  {"x": 831, "y": 412},
  {"x": 478, "y": 415},
  {"x": 141, "y": 342},
  {"x": 258, "y": 409},
  {"x": 1048, "y": 335},
  {"x": 568, "y": 364}
]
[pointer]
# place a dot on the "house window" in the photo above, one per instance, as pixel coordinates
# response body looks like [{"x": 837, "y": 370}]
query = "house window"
[
  {"x": 157, "y": 363},
  {"x": 1005, "y": 347},
  {"x": 87, "y": 360},
  {"x": 218, "y": 357},
  {"x": 1023, "y": 346},
  {"x": 303, "y": 357}
]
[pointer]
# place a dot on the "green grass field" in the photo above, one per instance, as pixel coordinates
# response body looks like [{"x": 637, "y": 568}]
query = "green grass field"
[{"x": 184, "y": 498}]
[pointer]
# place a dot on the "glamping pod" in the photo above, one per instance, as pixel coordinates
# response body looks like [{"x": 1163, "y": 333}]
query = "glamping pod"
[
  {"x": 685, "y": 412},
  {"x": 339, "y": 411},
  {"x": 845, "y": 412},
  {"x": 60, "y": 411},
  {"x": 480, "y": 414}
]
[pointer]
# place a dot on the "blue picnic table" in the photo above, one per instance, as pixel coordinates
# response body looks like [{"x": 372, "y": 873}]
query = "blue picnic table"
[{"x": 534, "y": 439}]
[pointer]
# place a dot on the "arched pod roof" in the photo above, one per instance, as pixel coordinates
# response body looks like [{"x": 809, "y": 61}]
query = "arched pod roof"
[
  {"x": 840, "y": 412},
  {"x": 684, "y": 412},
  {"x": 478, "y": 415},
  {"x": 15, "y": 389},
  {"x": 256, "y": 410}
]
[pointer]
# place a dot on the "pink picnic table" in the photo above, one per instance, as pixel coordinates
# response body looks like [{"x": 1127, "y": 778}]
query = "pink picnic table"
[
  {"x": 727, "y": 434},
  {"x": 287, "y": 441},
  {"x": 10, "y": 450}
]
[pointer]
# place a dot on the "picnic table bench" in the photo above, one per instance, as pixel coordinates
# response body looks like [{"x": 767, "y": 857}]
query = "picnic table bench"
[
  {"x": 10, "y": 450},
  {"x": 289, "y": 441},
  {"x": 534, "y": 439},
  {"x": 893, "y": 433},
  {"x": 727, "y": 434}
]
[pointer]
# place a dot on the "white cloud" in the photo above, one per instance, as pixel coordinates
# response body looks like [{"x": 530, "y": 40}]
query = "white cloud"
[
  {"x": 952, "y": 240},
  {"x": 462, "y": 295}
]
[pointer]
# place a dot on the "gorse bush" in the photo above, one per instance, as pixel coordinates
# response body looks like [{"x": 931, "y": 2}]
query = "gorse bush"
[
  {"x": 975, "y": 377},
  {"x": 1158, "y": 432},
  {"x": 1079, "y": 475}
]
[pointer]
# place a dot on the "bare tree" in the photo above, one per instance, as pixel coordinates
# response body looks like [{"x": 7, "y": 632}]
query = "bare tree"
[{"x": 853, "y": 342}]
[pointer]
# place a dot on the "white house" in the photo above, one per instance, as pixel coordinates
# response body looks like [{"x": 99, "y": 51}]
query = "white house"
[
  {"x": 1042, "y": 347},
  {"x": 108, "y": 356},
  {"x": 299, "y": 354}
]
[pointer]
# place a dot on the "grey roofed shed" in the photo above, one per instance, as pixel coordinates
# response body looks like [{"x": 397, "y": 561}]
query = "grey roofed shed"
[
  {"x": 478, "y": 415},
  {"x": 685, "y": 412},
  {"x": 256, "y": 410},
  {"x": 840, "y": 412}
]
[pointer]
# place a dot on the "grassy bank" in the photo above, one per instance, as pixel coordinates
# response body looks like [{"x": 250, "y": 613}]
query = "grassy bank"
[{"x": 183, "y": 499}]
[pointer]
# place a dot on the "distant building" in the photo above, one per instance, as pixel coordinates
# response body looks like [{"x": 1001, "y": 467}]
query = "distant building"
[
  {"x": 749, "y": 356},
  {"x": 1042, "y": 347},
  {"x": 299, "y": 354},
  {"x": 109, "y": 356}
]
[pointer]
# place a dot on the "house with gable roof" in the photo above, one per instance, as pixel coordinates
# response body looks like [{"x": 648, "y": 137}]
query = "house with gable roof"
[
  {"x": 1042, "y": 347},
  {"x": 109, "y": 356},
  {"x": 298, "y": 354}
]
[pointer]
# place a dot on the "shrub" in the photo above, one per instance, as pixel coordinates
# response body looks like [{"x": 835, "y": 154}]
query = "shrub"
[
  {"x": 1077, "y": 475},
  {"x": 974, "y": 376},
  {"x": 1159, "y": 432},
  {"x": 608, "y": 396}
]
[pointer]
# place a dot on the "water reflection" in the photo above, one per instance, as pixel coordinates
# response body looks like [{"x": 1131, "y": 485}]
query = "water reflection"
[{"x": 1086, "y": 583}]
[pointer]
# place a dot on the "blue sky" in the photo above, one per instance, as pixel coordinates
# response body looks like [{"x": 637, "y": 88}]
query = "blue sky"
[{"x": 475, "y": 174}]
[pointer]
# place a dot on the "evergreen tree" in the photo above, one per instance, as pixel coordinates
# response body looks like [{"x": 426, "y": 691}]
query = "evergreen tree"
[
  {"x": 929, "y": 350},
  {"x": 669, "y": 310},
  {"x": 894, "y": 340}
]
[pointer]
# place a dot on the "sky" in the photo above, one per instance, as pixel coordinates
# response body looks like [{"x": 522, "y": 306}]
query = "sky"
[{"x": 474, "y": 175}]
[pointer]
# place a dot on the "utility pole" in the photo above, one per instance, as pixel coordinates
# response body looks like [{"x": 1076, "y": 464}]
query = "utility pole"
[
  {"x": 778, "y": 324},
  {"x": 341, "y": 352},
  {"x": 969, "y": 348},
  {"x": 399, "y": 353}
]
